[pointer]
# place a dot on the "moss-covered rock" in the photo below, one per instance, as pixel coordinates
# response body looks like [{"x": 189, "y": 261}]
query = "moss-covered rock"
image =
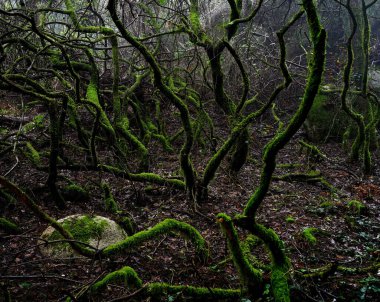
[
  {"x": 326, "y": 119},
  {"x": 97, "y": 231},
  {"x": 374, "y": 79}
]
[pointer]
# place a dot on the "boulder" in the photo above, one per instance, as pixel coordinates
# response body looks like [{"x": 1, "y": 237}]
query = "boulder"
[
  {"x": 96, "y": 231},
  {"x": 374, "y": 79},
  {"x": 326, "y": 119}
]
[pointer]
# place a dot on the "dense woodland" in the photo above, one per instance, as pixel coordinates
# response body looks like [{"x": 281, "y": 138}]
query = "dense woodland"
[{"x": 235, "y": 142}]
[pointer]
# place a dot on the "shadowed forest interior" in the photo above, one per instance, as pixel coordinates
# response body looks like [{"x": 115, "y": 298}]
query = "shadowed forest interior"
[{"x": 161, "y": 150}]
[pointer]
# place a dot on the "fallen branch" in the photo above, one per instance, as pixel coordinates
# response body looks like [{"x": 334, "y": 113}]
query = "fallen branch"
[{"x": 14, "y": 121}]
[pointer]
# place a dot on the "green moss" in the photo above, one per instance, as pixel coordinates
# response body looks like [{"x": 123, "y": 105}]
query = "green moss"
[
  {"x": 250, "y": 277},
  {"x": 240, "y": 154},
  {"x": 74, "y": 193},
  {"x": 312, "y": 151},
  {"x": 128, "y": 225},
  {"x": 125, "y": 276},
  {"x": 123, "y": 126},
  {"x": 165, "y": 227},
  {"x": 356, "y": 206},
  {"x": 273, "y": 243},
  {"x": 316, "y": 68},
  {"x": 325, "y": 120},
  {"x": 308, "y": 234},
  {"x": 83, "y": 229},
  {"x": 8, "y": 226},
  {"x": 37, "y": 122},
  {"x": 194, "y": 20},
  {"x": 164, "y": 141},
  {"x": 157, "y": 290},
  {"x": 185, "y": 161},
  {"x": 247, "y": 246},
  {"x": 279, "y": 282},
  {"x": 33, "y": 154},
  {"x": 6, "y": 199},
  {"x": 157, "y": 179},
  {"x": 321, "y": 272},
  {"x": 92, "y": 97},
  {"x": 290, "y": 219},
  {"x": 326, "y": 204},
  {"x": 109, "y": 201},
  {"x": 3, "y": 130}
]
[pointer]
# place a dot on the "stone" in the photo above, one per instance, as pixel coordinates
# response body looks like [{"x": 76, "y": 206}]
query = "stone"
[
  {"x": 374, "y": 79},
  {"x": 97, "y": 231}
]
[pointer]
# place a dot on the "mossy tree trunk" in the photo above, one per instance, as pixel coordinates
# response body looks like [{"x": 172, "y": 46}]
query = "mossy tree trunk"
[
  {"x": 214, "y": 51},
  {"x": 55, "y": 140},
  {"x": 361, "y": 144},
  {"x": 185, "y": 161},
  {"x": 280, "y": 263}
]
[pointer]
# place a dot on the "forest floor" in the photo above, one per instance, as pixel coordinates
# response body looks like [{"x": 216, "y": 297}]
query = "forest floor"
[{"x": 345, "y": 235}]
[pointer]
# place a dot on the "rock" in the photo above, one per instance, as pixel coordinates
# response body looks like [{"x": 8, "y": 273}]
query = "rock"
[
  {"x": 96, "y": 231},
  {"x": 374, "y": 79},
  {"x": 326, "y": 119}
]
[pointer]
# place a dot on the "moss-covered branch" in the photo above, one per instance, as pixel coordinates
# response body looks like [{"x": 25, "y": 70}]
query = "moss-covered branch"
[
  {"x": 251, "y": 278},
  {"x": 165, "y": 227},
  {"x": 240, "y": 127},
  {"x": 128, "y": 277},
  {"x": 331, "y": 268},
  {"x": 316, "y": 68},
  {"x": 185, "y": 161},
  {"x": 357, "y": 117},
  {"x": 9, "y": 226},
  {"x": 125, "y": 275},
  {"x": 109, "y": 201},
  {"x": 280, "y": 262}
]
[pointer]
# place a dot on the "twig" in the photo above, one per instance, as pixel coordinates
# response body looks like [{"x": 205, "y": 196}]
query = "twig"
[
  {"x": 126, "y": 297},
  {"x": 38, "y": 277}
]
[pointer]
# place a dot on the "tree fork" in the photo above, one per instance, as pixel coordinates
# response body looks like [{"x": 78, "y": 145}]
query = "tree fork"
[
  {"x": 185, "y": 161},
  {"x": 316, "y": 68}
]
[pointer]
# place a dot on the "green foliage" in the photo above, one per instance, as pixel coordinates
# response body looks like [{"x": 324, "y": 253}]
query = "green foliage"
[
  {"x": 356, "y": 206},
  {"x": 126, "y": 276},
  {"x": 290, "y": 219},
  {"x": 194, "y": 20},
  {"x": 36, "y": 123},
  {"x": 308, "y": 234}
]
